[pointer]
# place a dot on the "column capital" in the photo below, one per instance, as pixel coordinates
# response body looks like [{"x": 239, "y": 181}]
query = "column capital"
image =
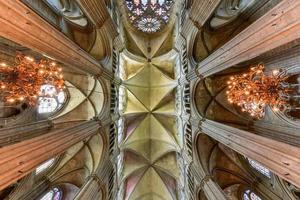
[
  {"x": 204, "y": 180},
  {"x": 194, "y": 74}
]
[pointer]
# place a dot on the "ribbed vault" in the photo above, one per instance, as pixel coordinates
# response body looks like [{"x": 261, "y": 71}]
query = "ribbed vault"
[{"x": 150, "y": 143}]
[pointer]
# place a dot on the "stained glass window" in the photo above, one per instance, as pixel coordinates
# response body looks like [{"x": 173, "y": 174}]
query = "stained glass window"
[
  {"x": 260, "y": 168},
  {"x": 44, "y": 166},
  {"x": 249, "y": 195},
  {"x": 149, "y": 16},
  {"x": 50, "y": 99},
  {"x": 53, "y": 194}
]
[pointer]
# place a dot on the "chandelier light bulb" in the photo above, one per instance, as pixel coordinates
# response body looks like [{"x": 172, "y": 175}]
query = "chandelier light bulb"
[
  {"x": 275, "y": 72},
  {"x": 29, "y": 58},
  {"x": 11, "y": 100}
]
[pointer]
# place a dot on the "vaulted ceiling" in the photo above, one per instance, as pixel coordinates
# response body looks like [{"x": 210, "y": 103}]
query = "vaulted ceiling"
[{"x": 151, "y": 142}]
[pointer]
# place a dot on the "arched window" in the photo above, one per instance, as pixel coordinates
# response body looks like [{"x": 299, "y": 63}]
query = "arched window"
[
  {"x": 53, "y": 194},
  {"x": 250, "y": 195},
  {"x": 44, "y": 166},
  {"x": 50, "y": 99},
  {"x": 260, "y": 168},
  {"x": 149, "y": 15}
]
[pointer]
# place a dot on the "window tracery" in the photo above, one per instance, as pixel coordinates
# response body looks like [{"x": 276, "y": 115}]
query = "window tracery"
[
  {"x": 250, "y": 195},
  {"x": 53, "y": 194},
  {"x": 50, "y": 99},
  {"x": 149, "y": 15},
  {"x": 260, "y": 168}
]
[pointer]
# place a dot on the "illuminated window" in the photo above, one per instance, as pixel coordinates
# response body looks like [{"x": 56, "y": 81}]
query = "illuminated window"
[
  {"x": 56, "y": 4},
  {"x": 53, "y": 194},
  {"x": 249, "y": 195},
  {"x": 50, "y": 99},
  {"x": 44, "y": 166},
  {"x": 149, "y": 15},
  {"x": 260, "y": 168}
]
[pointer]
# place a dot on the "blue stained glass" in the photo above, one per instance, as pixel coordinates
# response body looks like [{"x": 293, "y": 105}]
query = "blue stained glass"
[
  {"x": 53, "y": 194},
  {"x": 249, "y": 195}
]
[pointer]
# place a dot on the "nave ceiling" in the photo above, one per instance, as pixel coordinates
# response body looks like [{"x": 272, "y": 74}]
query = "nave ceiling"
[
  {"x": 133, "y": 82},
  {"x": 150, "y": 141}
]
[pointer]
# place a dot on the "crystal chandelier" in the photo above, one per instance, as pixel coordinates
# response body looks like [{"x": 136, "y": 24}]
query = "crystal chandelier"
[
  {"x": 22, "y": 82},
  {"x": 149, "y": 15},
  {"x": 254, "y": 90}
]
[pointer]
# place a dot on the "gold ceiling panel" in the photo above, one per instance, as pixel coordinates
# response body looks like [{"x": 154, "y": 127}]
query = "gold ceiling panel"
[
  {"x": 150, "y": 129},
  {"x": 150, "y": 97},
  {"x": 150, "y": 76},
  {"x": 166, "y": 105},
  {"x": 133, "y": 163},
  {"x": 133, "y": 105},
  {"x": 130, "y": 67},
  {"x": 151, "y": 187},
  {"x": 151, "y": 149},
  {"x": 168, "y": 164}
]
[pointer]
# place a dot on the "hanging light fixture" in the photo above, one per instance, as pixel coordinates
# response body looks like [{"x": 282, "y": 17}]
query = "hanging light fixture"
[
  {"x": 255, "y": 90},
  {"x": 22, "y": 82}
]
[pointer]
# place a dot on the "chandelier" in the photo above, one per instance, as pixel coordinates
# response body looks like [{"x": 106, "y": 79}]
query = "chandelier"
[
  {"x": 254, "y": 90},
  {"x": 22, "y": 82},
  {"x": 149, "y": 15}
]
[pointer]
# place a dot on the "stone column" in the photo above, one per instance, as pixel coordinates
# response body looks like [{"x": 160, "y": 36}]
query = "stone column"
[
  {"x": 210, "y": 188},
  {"x": 19, "y": 133},
  {"x": 29, "y": 191},
  {"x": 22, "y": 25},
  {"x": 96, "y": 11},
  {"x": 286, "y": 134},
  {"x": 199, "y": 13},
  {"x": 279, "y": 26},
  {"x": 91, "y": 190},
  {"x": 282, "y": 159},
  {"x": 18, "y": 160}
]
